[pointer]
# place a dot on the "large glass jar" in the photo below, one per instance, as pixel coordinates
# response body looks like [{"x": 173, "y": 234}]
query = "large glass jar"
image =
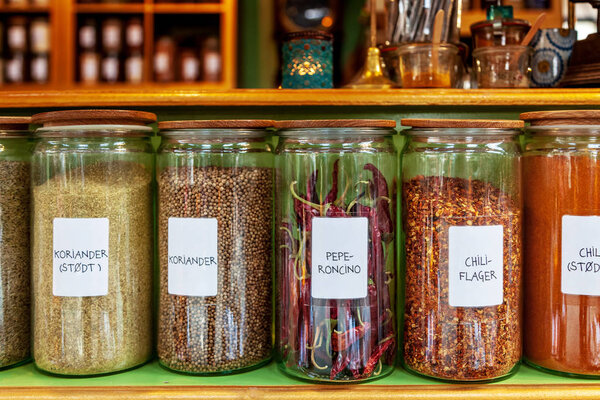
[
  {"x": 215, "y": 223},
  {"x": 14, "y": 240},
  {"x": 92, "y": 241},
  {"x": 561, "y": 166},
  {"x": 462, "y": 217},
  {"x": 335, "y": 241}
]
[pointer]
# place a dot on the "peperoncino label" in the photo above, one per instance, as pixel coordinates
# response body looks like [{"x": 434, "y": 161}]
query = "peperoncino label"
[
  {"x": 80, "y": 257},
  {"x": 580, "y": 262},
  {"x": 475, "y": 266},
  {"x": 339, "y": 258},
  {"x": 193, "y": 256}
]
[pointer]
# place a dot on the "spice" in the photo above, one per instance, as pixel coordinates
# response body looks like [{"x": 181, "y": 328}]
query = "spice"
[
  {"x": 14, "y": 262},
  {"x": 83, "y": 335},
  {"x": 337, "y": 339},
  {"x": 561, "y": 329},
  {"x": 458, "y": 343},
  {"x": 232, "y": 330}
]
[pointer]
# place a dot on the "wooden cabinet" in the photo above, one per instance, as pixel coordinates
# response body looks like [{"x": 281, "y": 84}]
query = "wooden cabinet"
[{"x": 64, "y": 16}]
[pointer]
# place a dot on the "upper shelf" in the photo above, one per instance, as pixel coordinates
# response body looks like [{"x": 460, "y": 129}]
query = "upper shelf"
[{"x": 178, "y": 96}]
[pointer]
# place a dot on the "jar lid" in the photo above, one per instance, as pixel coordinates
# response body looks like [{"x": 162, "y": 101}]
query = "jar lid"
[
  {"x": 318, "y": 35},
  {"x": 217, "y": 124},
  {"x": 564, "y": 117},
  {"x": 15, "y": 123},
  {"x": 93, "y": 117},
  {"x": 335, "y": 123},
  {"x": 463, "y": 123}
]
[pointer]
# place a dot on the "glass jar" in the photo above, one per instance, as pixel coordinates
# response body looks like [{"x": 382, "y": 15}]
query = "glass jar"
[
  {"x": 14, "y": 240},
  {"x": 215, "y": 220},
  {"x": 92, "y": 241},
  {"x": 561, "y": 166},
  {"x": 307, "y": 60},
  {"x": 461, "y": 198},
  {"x": 335, "y": 239}
]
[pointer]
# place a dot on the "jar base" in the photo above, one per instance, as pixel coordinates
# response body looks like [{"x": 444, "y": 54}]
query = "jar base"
[
  {"x": 447, "y": 380},
  {"x": 560, "y": 373},
  {"x": 217, "y": 373},
  {"x": 16, "y": 364},
  {"x": 305, "y": 378},
  {"x": 93, "y": 375}
]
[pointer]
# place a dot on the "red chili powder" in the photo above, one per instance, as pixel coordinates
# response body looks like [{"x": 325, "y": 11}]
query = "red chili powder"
[{"x": 562, "y": 331}]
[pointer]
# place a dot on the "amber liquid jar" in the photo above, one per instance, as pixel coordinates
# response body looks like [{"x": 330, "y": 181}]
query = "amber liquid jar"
[
  {"x": 562, "y": 242},
  {"x": 461, "y": 201}
]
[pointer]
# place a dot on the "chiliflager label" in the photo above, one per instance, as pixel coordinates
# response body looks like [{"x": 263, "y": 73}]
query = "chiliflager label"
[
  {"x": 476, "y": 264},
  {"x": 193, "y": 256},
  {"x": 339, "y": 258},
  {"x": 80, "y": 257},
  {"x": 580, "y": 262}
]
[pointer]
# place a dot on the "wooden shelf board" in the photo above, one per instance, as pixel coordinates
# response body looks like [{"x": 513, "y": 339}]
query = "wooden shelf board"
[
  {"x": 110, "y": 8},
  {"x": 24, "y": 9},
  {"x": 187, "y": 8},
  {"x": 310, "y": 392},
  {"x": 188, "y": 95}
]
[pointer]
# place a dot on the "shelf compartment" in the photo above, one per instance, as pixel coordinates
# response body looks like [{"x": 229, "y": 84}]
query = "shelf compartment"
[{"x": 7, "y": 9}]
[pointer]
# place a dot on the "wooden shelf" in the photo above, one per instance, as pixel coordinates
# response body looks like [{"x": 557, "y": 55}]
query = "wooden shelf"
[
  {"x": 188, "y": 8},
  {"x": 110, "y": 8},
  {"x": 7, "y": 9},
  {"x": 182, "y": 95}
]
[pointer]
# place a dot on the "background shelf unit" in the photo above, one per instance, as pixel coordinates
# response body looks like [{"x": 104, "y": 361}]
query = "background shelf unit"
[{"x": 64, "y": 15}]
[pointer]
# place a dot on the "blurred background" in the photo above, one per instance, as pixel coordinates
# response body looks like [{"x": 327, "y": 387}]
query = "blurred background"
[{"x": 218, "y": 44}]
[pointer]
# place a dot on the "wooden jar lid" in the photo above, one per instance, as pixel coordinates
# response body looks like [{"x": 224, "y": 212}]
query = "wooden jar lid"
[
  {"x": 15, "y": 123},
  {"x": 463, "y": 123},
  {"x": 93, "y": 117},
  {"x": 566, "y": 117},
  {"x": 217, "y": 124},
  {"x": 336, "y": 123}
]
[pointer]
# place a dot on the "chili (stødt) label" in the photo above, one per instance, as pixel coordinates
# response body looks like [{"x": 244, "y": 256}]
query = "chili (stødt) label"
[
  {"x": 193, "y": 256},
  {"x": 339, "y": 258},
  {"x": 80, "y": 257},
  {"x": 475, "y": 266},
  {"x": 580, "y": 250}
]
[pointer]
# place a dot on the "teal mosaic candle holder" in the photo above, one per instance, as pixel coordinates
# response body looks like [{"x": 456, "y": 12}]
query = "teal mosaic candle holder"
[{"x": 307, "y": 61}]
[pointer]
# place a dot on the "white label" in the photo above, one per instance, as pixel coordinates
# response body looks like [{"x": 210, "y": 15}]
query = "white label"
[
  {"x": 476, "y": 265},
  {"x": 110, "y": 69},
  {"x": 135, "y": 35},
  {"x": 14, "y": 70},
  {"x": 16, "y": 37},
  {"x": 161, "y": 62},
  {"x": 580, "y": 255},
  {"x": 191, "y": 69},
  {"x": 87, "y": 37},
  {"x": 89, "y": 68},
  {"x": 80, "y": 257},
  {"x": 111, "y": 36},
  {"x": 193, "y": 256},
  {"x": 212, "y": 66},
  {"x": 134, "y": 69},
  {"x": 339, "y": 258},
  {"x": 39, "y": 37},
  {"x": 39, "y": 69}
]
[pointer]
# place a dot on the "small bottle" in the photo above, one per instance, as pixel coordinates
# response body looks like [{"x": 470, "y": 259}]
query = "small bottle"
[
  {"x": 190, "y": 66},
  {"x": 87, "y": 35},
  {"x": 16, "y": 34},
  {"x": 134, "y": 68},
  {"x": 112, "y": 30},
  {"x": 15, "y": 68},
  {"x": 134, "y": 34},
  {"x": 211, "y": 60},
  {"x": 164, "y": 60},
  {"x": 134, "y": 62},
  {"x": 39, "y": 31},
  {"x": 110, "y": 68},
  {"x": 89, "y": 59}
]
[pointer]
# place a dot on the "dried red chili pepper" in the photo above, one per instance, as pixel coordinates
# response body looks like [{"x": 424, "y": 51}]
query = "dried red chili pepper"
[
  {"x": 342, "y": 340},
  {"x": 340, "y": 364},
  {"x": 379, "y": 350},
  {"x": 333, "y": 193}
]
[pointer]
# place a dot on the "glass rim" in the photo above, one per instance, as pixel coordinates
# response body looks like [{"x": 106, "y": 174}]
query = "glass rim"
[
  {"x": 94, "y": 130},
  {"x": 215, "y": 133},
  {"x": 502, "y": 49},
  {"x": 335, "y": 132},
  {"x": 461, "y": 132},
  {"x": 410, "y": 47},
  {"x": 563, "y": 130}
]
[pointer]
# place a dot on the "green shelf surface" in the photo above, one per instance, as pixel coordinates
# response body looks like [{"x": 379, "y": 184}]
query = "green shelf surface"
[{"x": 152, "y": 374}]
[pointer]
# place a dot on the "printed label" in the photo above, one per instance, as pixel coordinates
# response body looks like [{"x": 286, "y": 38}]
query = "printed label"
[
  {"x": 476, "y": 265},
  {"x": 135, "y": 35},
  {"x": 110, "y": 69},
  {"x": 580, "y": 255},
  {"x": 193, "y": 256},
  {"x": 134, "y": 69},
  {"x": 87, "y": 37},
  {"x": 80, "y": 257},
  {"x": 339, "y": 258}
]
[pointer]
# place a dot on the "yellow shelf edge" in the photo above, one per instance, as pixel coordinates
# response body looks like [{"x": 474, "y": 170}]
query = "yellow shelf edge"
[{"x": 181, "y": 95}]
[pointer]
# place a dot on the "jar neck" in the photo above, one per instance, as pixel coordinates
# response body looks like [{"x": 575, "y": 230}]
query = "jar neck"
[
  {"x": 81, "y": 131},
  {"x": 214, "y": 136}
]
